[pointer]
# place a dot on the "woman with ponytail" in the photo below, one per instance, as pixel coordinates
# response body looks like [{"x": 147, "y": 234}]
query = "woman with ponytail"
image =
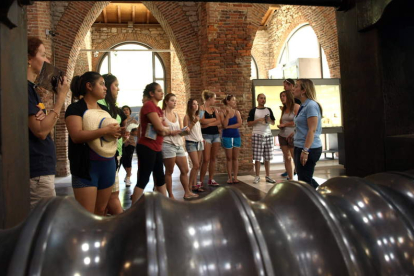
[
  {"x": 149, "y": 147},
  {"x": 308, "y": 146},
  {"x": 210, "y": 120},
  {"x": 92, "y": 174}
]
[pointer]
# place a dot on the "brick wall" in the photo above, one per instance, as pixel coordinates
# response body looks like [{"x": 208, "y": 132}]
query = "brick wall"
[
  {"x": 269, "y": 43},
  {"x": 84, "y": 60},
  {"x": 226, "y": 61},
  {"x": 177, "y": 84}
]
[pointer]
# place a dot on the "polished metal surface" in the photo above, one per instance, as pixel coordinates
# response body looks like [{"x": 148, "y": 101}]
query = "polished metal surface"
[{"x": 350, "y": 226}]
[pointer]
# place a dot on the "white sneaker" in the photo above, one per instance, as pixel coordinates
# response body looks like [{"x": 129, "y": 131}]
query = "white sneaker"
[
  {"x": 128, "y": 181},
  {"x": 256, "y": 180},
  {"x": 270, "y": 180}
]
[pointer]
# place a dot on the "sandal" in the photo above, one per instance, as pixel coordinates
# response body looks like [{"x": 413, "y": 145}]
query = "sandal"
[
  {"x": 200, "y": 188},
  {"x": 235, "y": 181},
  {"x": 191, "y": 196},
  {"x": 230, "y": 181},
  {"x": 212, "y": 182}
]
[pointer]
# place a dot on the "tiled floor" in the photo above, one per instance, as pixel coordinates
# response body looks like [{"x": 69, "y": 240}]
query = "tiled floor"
[{"x": 324, "y": 170}]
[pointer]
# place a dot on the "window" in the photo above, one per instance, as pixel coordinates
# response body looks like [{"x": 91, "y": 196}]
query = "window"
[
  {"x": 302, "y": 44},
  {"x": 134, "y": 70},
  {"x": 255, "y": 73}
]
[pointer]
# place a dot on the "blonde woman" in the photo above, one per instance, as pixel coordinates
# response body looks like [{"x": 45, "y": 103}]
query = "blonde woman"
[
  {"x": 210, "y": 121},
  {"x": 308, "y": 146}
]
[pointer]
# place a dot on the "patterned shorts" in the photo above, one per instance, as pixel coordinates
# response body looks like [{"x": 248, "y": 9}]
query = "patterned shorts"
[{"x": 262, "y": 147}]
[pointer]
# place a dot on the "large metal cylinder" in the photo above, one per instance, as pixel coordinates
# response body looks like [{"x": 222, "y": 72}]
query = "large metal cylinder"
[{"x": 350, "y": 226}]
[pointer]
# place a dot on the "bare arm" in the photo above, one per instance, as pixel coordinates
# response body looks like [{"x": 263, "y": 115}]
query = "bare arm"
[
  {"x": 296, "y": 109},
  {"x": 310, "y": 136},
  {"x": 41, "y": 128},
  {"x": 78, "y": 135},
  {"x": 238, "y": 124},
  {"x": 252, "y": 123},
  {"x": 158, "y": 126}
]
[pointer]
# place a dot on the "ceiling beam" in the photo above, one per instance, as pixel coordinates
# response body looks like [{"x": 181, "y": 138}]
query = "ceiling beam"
[
  {"x": 118, "y": 8},
  {"x": 117, "y": 25},
  {"x": 105, "y": 16},
  {"x": 268, "y": 14}
]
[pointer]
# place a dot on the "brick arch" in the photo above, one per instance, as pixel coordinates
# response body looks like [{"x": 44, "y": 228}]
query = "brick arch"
[
  {"x": 321, "y": 19},
  {"x": 72, "y": 29},
  {"x": 134, "y": 37},
  {"x": 175, "y": 20}
]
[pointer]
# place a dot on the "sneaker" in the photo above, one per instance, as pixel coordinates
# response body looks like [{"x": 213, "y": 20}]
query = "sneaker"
[
  {"x": 128, "y": 182},
  {"x": 256, "y": 180},
  {"x": 125, "y": 179},
  {"x": 269, "y": 180},
  {"x": 284, "y": 174}
]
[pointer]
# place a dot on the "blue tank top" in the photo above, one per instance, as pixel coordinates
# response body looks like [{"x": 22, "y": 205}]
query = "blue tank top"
[{"x": 232, "y": 132}]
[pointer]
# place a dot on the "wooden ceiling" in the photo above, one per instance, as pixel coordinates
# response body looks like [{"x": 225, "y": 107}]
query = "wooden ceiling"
[
  {"x": 118, "y": 12},
  {"x": 122, "y": 13}
]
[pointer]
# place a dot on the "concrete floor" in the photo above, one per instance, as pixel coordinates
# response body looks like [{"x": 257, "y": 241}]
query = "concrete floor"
[{"x": 324, "y": 170}]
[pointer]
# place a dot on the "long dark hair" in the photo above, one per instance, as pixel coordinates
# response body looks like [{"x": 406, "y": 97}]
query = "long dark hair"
[
  {"x": 125, "y": 106},
  {"x": 150, "y": 88},
  {"x": 166, "y": 99},
  {"x": 109, "y": 80},
  {"x": 78, "y": 84},
  {"x": 190, "y": 109},
  {"x": 290, "y": 102}
]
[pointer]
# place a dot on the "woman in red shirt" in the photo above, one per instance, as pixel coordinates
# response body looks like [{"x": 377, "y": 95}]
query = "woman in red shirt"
[{"x": 149, "y": 147}]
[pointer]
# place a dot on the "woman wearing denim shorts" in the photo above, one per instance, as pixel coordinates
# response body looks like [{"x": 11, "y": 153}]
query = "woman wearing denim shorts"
[
  {"x": 194, "y": 142},
  {"x": 172, "y": 147},
  {"x": 231, "y": 140},
  {"x": 209, "y": 127}
]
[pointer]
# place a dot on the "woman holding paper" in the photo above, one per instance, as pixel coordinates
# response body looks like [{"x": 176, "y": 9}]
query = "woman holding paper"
[
  {"x": 149, "y": 147},
  {"x": 172, "y": 147}
]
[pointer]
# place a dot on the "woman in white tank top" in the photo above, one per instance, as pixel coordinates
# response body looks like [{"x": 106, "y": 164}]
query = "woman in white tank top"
[
  {"x": 194, "y": 142},
  {"x": 287, "y": 126},
  {"x": 172, "y": 147}
]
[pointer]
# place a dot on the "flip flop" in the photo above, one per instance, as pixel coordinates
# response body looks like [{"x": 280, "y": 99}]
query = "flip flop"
[
  {"x": 191, "y": 196},
  {"x": 236, "y": 181},
  {"x": 230, "y": 182}
]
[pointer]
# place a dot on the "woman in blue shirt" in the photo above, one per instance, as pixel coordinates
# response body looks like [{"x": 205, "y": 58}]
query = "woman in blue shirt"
[{"x": 308, "y": 146}]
